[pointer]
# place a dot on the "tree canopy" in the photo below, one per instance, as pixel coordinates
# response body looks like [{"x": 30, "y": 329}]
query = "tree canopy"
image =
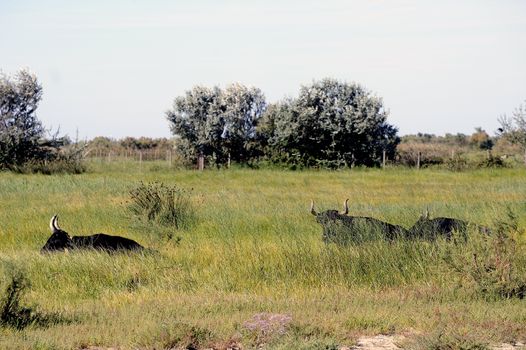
[
  {"x": 20, "y": 129},
  {"x": 217, "y": 123},
  {"x": 331, "y": 123},
  {"x": 514, "y": 129}
]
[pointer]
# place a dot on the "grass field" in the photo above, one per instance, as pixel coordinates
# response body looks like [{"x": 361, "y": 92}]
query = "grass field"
[{"x": 256, "y": 250}]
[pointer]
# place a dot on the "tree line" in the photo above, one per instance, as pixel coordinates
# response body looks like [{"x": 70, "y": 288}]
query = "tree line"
[{"x": 330, "y": 124}]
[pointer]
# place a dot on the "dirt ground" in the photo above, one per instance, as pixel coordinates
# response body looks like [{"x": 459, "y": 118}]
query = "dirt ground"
[
  {"x": 378, "y": 342},
  {"x": 389, "y": 342}
]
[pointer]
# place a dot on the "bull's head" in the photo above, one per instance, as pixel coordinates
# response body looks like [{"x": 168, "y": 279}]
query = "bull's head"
[
  {"x": 423, "y": 219},
  {"x": 329, "y": 219},
  {"x": 59, "y": 240}
]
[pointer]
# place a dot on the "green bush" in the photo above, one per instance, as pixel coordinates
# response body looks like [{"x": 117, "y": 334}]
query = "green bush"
[
  {"x": 492, "y": 162},
  {"x": 13, "y": 315},
  {"x": 55, "y": 158},
  {"x": 162, "y": 204},
  {"x": 59, "y": 166},
  {"x": 447, "y": 341},
  {"x": 457, "y": 163},
  {"x": 495, "y": 264}
]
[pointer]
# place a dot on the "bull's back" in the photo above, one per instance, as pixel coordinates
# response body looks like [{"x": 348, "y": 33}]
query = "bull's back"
[
  {"x": 101, "y": 241},
  {"x": 378, "y": 228},
  {"x": 438, "y": 227}
]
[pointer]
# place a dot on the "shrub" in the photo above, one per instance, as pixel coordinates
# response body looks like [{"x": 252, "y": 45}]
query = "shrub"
[
  {"x": 492, "y": 162},
  {"x": 57, "y": 156},
  {"x": 430, "y": 154},
  {"x": 58, "y": 166},
  {"x": 162, "y": 204},
  {"x": 447, "y": 341},
  {"x": 457, "y": 163},
  {"x": 182, "y": 336},
  {"x": 495, "y": 263},
  {"x": 12, "y": 314}
]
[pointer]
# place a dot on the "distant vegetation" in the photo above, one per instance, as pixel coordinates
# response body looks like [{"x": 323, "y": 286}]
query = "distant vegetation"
[
  {"x": 331, "y": 124},
  {"x": 457, "y": 151},
  {"x": 513, "y": 128},
  {"x": 454, "y": 152}
]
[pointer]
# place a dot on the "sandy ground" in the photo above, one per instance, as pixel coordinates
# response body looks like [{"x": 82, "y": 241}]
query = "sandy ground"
[
  {"x": 388, "y": 342},
  {"x": 378, "y": 342}
]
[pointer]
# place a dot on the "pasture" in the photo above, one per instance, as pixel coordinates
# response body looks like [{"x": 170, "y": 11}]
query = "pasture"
[{"x": 255, "y": 250}]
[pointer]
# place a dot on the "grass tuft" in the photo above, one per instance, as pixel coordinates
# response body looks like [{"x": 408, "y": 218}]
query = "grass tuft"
[{"x": 167, "y": 205}]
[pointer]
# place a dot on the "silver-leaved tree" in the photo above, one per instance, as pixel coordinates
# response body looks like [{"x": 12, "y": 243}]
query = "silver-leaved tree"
[
  {"x": 330, "y": 124},
  {"x": 20, "y": 130},
  {"x": 218, "y": 124},
  {"x": 514, "y": 128}
]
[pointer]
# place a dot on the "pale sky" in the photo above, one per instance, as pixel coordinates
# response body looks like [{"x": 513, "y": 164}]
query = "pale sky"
[{"x": 112, "y": 68}]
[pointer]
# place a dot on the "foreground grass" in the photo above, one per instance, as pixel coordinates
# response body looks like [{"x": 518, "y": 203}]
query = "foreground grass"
[{"x": 255, "y": 249}]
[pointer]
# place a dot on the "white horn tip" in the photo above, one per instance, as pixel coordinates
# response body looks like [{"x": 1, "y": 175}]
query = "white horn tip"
[
  {"x": 52, "y": 221},
  {"x": 313, "y": 212},
  {"x": 53, "y": 224}
]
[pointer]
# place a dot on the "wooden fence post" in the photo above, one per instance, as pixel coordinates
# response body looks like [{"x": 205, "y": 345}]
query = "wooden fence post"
[
  {"x": 169, "y": 157},
  {"x": 383, "y": 159},
  {"x": 201, "y": 162},
  {"x": 418, "y": 160}
]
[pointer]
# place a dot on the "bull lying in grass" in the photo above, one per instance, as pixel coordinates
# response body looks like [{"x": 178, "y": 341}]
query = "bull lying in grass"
[
  {"x": 340, "y": 228},
  {"x": 431, "y": 229},
  {"x": 60, "y": 240}
]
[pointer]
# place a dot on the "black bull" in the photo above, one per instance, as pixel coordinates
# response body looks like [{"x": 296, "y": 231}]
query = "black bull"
[
  {"x": 60, "y": 240},
  {"x": 340, "y": 228}
]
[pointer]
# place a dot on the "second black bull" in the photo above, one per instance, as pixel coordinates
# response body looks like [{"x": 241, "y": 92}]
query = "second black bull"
[{"x": 340, "y": 228}]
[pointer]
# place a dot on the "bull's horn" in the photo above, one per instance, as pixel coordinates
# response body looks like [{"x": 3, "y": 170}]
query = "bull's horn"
[
  {"x": 56, "y": 223},
  {"x": 312, "y": 211},
  {"x": 426, "y": 215},
  {"x": 345, "y": 207},
  {"x": 52, "y": 223}
]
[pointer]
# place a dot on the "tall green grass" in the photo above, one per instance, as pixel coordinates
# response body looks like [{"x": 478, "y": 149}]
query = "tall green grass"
[{"x": 254, "y": 248}]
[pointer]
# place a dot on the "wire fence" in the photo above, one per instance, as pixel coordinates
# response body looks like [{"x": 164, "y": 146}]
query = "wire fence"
[
  {"x": 410, "y": 158},
  {"x": 170, "y": 156}
]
